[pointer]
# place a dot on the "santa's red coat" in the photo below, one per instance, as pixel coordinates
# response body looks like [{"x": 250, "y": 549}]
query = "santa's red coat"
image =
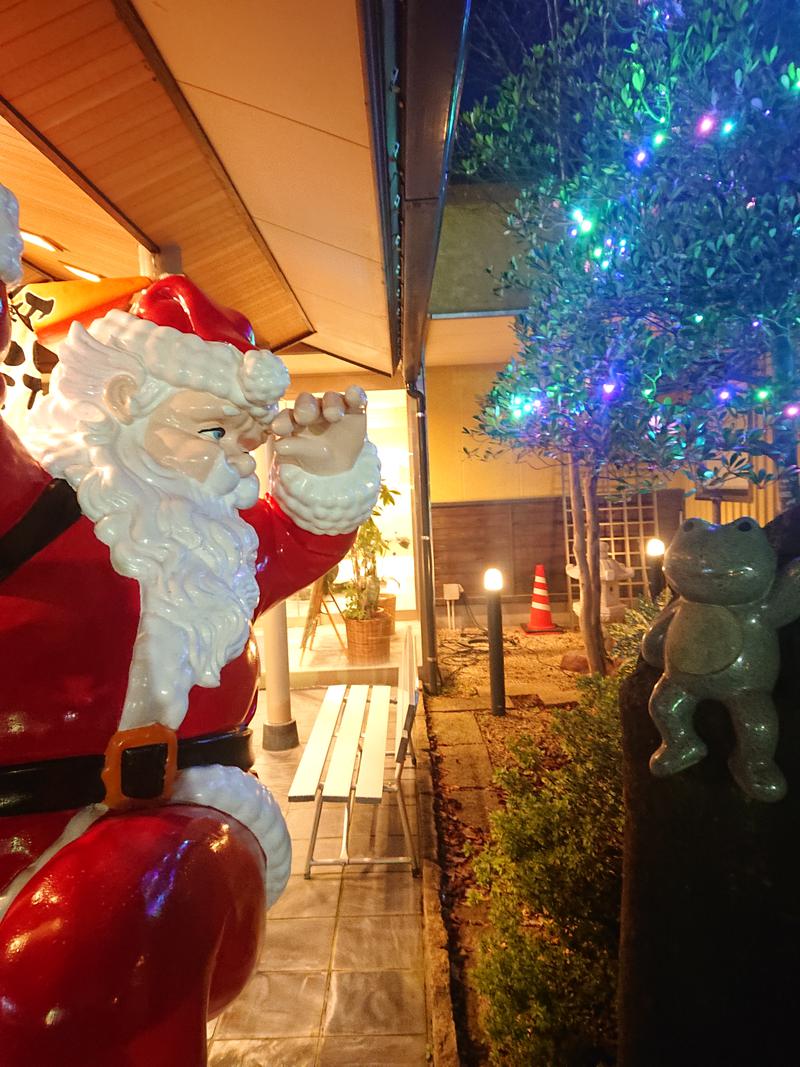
[{"x": 67, "y": 627}]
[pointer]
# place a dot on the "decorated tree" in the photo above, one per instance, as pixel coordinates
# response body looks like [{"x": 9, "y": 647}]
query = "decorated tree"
[{"x": 657, "y": 148}]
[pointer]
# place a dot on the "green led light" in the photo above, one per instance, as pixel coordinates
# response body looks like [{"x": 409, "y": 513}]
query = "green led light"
[
  {"x": 728, "y": 127},
  {"x": 647, "y": 392},
  {"x": 577, "y": 214},
  {"x": 659, "y": 139},
  {"x": 697, "y": 318},
  {"x": 586, "y": 225},
  {"x": 762, "y": 394},
  {"x": 597, "y": 252}
]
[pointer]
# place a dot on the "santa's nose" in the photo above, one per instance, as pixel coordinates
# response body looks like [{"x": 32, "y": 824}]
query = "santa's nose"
[{"x": 243, "y": 463}]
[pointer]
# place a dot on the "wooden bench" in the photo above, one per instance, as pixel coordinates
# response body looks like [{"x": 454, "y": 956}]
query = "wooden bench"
[{"x": 344, "y": 762}]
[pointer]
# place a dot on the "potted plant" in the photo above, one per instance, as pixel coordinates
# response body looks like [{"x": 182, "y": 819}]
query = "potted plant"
[{"x": 368, "y": 623}]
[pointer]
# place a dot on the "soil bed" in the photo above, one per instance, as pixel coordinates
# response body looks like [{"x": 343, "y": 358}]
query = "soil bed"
[{"x": 468, "y": 744}]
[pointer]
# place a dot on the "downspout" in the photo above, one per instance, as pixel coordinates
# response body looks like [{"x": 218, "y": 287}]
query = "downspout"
[{"x": 423, "y": 536}]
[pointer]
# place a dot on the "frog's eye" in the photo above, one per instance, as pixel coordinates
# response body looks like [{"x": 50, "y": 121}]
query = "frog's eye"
[
  {"x": 688, "y": 525},
  {"x": 745, "y": 525},
  {"x": 217, "y": 432}
]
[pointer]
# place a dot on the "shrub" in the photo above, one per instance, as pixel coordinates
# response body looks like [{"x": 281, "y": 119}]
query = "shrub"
[{"x": 552, "y": 876}]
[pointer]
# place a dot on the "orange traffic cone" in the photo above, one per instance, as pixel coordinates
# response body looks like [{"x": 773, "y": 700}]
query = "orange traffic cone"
[{"x": 541, "y": 620}]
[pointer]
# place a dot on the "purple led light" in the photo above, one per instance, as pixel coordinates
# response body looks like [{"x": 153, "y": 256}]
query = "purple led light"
[
  {"x": 640, "y": 157},
  {"x": 792, "y": 410},
  {"x": 609, "y": 387},
  {"x": 724, "y": 394},
  {"x": 574, "y": 231},
  {"x": 537, "y": 404},
  {"x": 756, "y": 323},
  {"x": 706, "y": 124}
]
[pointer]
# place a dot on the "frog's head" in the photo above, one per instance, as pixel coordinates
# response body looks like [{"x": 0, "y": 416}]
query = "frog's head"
[{"x": 730, "y": 564}]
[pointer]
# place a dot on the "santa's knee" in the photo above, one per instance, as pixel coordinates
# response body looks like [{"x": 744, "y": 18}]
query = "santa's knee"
[{"x": 129, "y": 930}]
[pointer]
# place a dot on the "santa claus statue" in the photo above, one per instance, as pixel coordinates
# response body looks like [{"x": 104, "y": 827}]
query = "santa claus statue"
[{"x": 136, "y": 852}]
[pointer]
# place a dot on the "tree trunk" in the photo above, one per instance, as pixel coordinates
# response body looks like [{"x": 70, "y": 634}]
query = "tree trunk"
[
  {"x": 788, "y": 486},
  {"x": 583, "y": 498}
]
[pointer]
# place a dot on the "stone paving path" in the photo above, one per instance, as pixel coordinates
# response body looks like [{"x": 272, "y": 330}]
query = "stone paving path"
[{"x": 340, "y": 980}]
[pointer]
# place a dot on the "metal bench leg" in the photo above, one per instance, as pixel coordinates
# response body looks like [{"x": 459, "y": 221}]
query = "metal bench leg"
[
  {"x": 314, "y": 829},
  {"x": 401, "y": 805}
]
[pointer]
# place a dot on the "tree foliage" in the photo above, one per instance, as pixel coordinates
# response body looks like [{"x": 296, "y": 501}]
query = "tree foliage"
[{"x": 659, "y": 150}]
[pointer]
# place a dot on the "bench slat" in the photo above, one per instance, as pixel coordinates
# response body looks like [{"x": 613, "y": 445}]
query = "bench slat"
[
  {"x": 339, "y": 778},
  {"x": 371, "y": 774},
  {"x": 309, "y": 771}
]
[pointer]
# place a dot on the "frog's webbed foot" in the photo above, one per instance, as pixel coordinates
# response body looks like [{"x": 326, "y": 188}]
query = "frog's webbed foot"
[
  {"x": 674, "y": 757},
  {"x": 761, "y": 781}
]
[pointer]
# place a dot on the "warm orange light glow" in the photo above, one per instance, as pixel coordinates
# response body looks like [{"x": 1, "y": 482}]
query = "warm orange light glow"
[{"x": 87, "y": 275}]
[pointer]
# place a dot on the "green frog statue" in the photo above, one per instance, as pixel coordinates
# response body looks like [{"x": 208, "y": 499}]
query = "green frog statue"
[{"x": 717, "y": 640}]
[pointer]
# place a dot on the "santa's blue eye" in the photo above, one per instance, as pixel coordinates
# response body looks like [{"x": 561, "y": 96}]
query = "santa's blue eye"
[{"x": 217, "y": 432}]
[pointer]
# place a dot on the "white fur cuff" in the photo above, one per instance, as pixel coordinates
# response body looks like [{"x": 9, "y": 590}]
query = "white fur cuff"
[
  {"x": 243, "y": 797},
  {"x": 333, "y": 503}
]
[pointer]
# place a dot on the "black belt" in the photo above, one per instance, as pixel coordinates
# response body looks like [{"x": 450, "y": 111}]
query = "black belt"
[{"x": 75, "y": 781}]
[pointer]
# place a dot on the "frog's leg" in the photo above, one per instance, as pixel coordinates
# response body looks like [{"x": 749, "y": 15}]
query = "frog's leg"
[
  {"x": 672, "y": 709},
  {"x": 752, "y": 764}
]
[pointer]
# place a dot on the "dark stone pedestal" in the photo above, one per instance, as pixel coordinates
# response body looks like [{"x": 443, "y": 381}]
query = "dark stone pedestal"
[
  {"x": 710, "y": 950},
  {"x": 279, "y": 736}
]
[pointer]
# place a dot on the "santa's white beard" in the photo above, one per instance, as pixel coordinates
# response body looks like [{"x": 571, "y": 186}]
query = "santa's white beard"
[{"x": 194, "y": 558}]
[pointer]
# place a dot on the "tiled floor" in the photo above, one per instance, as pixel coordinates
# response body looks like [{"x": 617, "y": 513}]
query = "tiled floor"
[{"x": 340, "y": 979}]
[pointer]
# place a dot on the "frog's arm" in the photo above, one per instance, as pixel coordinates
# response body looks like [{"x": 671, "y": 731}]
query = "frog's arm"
[
  {"x": 783, "y": 605},
  {"x": 653, "y": 640}
]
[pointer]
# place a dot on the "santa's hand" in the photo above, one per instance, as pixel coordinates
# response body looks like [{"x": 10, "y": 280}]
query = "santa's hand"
[
  {"x": 326, "y": 474},
  {"x": 322, "y": 436}
]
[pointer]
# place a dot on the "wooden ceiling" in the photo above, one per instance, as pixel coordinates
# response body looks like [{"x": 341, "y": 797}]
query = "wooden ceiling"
[{"x": 76, "y": 82}]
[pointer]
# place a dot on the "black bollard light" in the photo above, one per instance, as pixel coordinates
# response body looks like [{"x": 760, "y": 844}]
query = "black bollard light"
[
  {"x": 493, "y": 584},
  {"x": 654, "y": 550}
]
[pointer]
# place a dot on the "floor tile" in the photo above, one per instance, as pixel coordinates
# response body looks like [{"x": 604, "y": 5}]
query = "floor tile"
[
  {"x": 280, "y": 1052},
  {"x": 404, "y": 1051},
  {"x": 276, "y": 1005},
  {"x": 309, "y": 898},
  {"x": 381, "y": 891},
  {"x": 297, "y": 945},
  {"x": 324, "y": 848},
  {"x": 373, "y": 943},
  {"x": 375, "y": 1002},
  {"x": 300, "y": 819}
]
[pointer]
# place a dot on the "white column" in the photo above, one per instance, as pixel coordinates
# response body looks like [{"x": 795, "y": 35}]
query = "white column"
[{"x": 280, "y": 729}]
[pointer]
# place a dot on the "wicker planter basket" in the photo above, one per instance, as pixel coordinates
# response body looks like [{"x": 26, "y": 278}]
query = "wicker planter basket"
[
  {"x": 368, "y": 639},
  {"x": 388, "y": 602}
]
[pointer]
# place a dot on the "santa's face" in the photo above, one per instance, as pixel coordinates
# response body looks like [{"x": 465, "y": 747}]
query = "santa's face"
[{"x": 203, "y": 437}]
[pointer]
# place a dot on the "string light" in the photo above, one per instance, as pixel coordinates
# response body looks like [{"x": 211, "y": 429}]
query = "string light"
[
  {"x": 762, "y": 394},
  {"x": 609, "y": 388},
  {"x": 724, "y": 394},
  {"x": 705, "y": 125},
  {"x": 640, "y": 158},
  {"x": 792, "y": 410},
  {"x": 698, "y": 318},
  {"x": 728, "y": 126},
  {"x": 659, "y": 139},
  {"x": 586, "y": 226}
]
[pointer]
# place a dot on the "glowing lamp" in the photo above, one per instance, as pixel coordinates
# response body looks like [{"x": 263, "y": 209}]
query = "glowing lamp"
[
  {"x": 659, "y": 139},
  {"x": 762, "y": 394},
  {"x": 792, "y": 410},
  {"x": 640, "y": 158},
  {"x": 586, "y": 225},
  {"x": 724, "y": 394},
  {"x": 705, "y": 125},
  {"x": 655, "y": 548},
  {"x": 609, "y": 388},
  {"x": 493, "y": 580},
  {"x": 728, "y": 126}
]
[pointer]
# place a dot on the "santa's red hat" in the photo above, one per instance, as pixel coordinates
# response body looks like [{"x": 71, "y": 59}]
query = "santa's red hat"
[
  {"x": 176, "y": 301},
  {"x": 182, "y": 337}
]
